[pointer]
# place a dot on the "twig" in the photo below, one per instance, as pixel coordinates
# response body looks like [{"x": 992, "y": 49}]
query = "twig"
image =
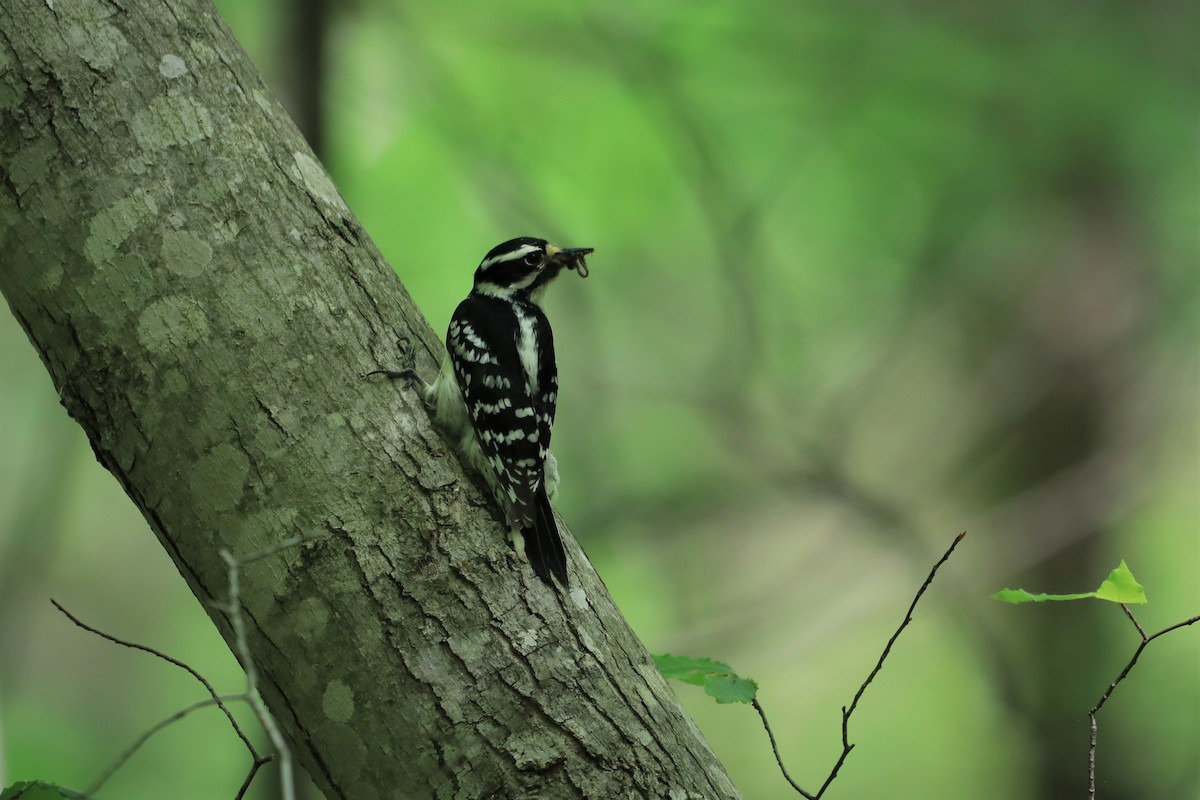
[
  {"x": 775, "y": 747},
  {"x": 146, "y": 649},
  {"x": 232, "y": 607},
  {"x": 1141, "y": 631},
  {"x": 279, "y": 547},
  {"x": 250, "y": 778},
  {"x": 141, "y": 740},
  {"x": 1112, "y": 686},
  {"x": 214, "y": 699},
  {"x": 250, "y": 696},
  {"x": 846, "y": 746},
  {"x": 847, "y": 711}
]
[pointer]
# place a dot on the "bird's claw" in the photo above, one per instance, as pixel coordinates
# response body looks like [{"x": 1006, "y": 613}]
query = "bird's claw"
[{"x": 408, "y": 367}]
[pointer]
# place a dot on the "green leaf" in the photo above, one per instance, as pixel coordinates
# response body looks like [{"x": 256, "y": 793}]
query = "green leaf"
[
  {"x": 39, "y": 790},
  {"x": 731, "y": 689},
  {"x": 1021, "y": 596},
  {"x": 1121, "y": 587},
  {"x": 688, "y": 669},
  {"x": 719, "y": 680}
]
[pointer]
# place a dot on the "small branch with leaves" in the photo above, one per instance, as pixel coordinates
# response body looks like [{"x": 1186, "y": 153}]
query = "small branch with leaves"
[
  {"x": 1119, "y": 587},
  {"x": 232, "y": 608},
  {"x": 725, "y": 686}
]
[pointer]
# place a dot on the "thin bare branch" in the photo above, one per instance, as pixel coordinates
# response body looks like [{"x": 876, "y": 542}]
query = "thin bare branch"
[
  {"x": 280, "y": 546},
  {"x": 254, "y": 768},
  {"x": 250, "y": 696},
  {"x": 146, "y": 649},
  {"x": 904, "y": 624},
  {"x": 233, "y": 608},
  {"x": 775, "y": 747},
  {"x": 1146, "y": 640},
  {"x": 847, "y": 711},
  {"x": 1129, "y": 613},
  {"x": 145, "y": 737}
]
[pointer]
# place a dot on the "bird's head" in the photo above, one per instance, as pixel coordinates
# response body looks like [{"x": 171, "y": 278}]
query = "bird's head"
[{"x": 525, "y": 267}]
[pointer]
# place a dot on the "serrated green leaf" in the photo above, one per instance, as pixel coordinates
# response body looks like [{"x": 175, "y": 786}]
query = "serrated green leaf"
[
  {"x": 1121, "y": 587},
  {"x": 39, "y": 790},
  {"x": 718, "y": 679},
  {"x": 688, "y": 669},
  {"x": 1021, "y": 596},
  {"x": 731, "y": 689}
]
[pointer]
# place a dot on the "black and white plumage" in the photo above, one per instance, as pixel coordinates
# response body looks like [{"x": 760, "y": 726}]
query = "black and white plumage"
[{"x": 497, "y": 390}]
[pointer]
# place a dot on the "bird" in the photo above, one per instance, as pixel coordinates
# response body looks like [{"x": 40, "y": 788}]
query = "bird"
[{"x": 495, "y": 397}]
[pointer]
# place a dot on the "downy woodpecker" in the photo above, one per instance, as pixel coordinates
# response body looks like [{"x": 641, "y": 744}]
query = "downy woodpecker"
[{"x": 496, "y": 394}]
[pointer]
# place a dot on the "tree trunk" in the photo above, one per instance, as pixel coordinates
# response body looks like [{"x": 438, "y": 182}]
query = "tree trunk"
[{"x": 207, "y": 305}]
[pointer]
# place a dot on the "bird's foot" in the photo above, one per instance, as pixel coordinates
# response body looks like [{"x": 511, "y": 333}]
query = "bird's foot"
[{"x": 408, "y": 366}]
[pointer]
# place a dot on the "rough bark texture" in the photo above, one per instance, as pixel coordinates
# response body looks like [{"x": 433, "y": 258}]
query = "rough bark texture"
[{"x": 206, "y": 305}]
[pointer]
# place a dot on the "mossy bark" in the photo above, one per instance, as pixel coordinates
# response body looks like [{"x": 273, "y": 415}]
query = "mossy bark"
[{"x": 206, "y": 305}]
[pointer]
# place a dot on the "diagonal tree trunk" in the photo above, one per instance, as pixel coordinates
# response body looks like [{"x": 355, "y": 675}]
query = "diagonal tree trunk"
[{"x": 206, "y": 305}]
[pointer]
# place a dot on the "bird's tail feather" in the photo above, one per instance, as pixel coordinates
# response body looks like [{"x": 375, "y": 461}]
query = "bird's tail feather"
[{"x": 543, "y": 543}]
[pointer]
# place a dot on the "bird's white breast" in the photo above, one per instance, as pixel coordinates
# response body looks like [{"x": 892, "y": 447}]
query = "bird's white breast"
[{"x": 527, "y": 349}]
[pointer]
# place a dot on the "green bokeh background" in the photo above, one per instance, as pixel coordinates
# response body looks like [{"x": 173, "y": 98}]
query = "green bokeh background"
[{"x": 866, "y": 275}]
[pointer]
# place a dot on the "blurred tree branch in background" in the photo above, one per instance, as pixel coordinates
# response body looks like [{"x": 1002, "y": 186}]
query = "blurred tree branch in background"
[{"x": 305, "y": 55}]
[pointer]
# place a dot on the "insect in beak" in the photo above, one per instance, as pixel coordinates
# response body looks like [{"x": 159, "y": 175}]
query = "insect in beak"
[{"x": 574, "y": 258}]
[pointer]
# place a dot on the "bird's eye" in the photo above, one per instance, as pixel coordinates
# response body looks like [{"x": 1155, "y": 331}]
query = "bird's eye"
[{"x": 533, "y": 259}]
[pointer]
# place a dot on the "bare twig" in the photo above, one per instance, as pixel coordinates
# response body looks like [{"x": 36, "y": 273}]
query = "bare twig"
[
  {"x": 1141, "y": 631},
  {"x": 775, "y": 747},
  {"x": 1112, "y": 686},
  {"x": 279, "y": 547},
  {"x": 146, "y": 649},
  {"x": 232, "y": 607},
  {"x": 250, "y": 778},
  {"x": 145, "y": 737},
  {"x": 847, "y": 711}
]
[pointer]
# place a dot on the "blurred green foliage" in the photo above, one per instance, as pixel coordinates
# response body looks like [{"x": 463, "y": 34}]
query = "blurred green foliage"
[{"x": 866, "y": 275}]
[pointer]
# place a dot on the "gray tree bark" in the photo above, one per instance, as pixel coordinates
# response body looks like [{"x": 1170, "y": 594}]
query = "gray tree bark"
[{"x": 206, "y": 305}]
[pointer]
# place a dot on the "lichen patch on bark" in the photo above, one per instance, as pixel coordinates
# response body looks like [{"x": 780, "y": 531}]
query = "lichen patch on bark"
[
  {"x": 171, "y": 66},
  {"x": 218, "y": 479},
  {"x": 185, "y": 253},
  {"x": 316, "y": 181},
  {"x": 172, "y": 323},
  {"x": 338, "y": 701},
  {"x": 168, "y": 121},
  {"x": 112, "y": 226}
]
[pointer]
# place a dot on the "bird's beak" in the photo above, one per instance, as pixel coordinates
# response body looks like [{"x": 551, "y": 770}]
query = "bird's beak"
[{"x": 573, "y": 258}]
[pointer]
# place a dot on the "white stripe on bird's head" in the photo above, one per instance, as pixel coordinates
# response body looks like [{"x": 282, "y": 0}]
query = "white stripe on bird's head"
[{"x": 515, "y": 250}]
